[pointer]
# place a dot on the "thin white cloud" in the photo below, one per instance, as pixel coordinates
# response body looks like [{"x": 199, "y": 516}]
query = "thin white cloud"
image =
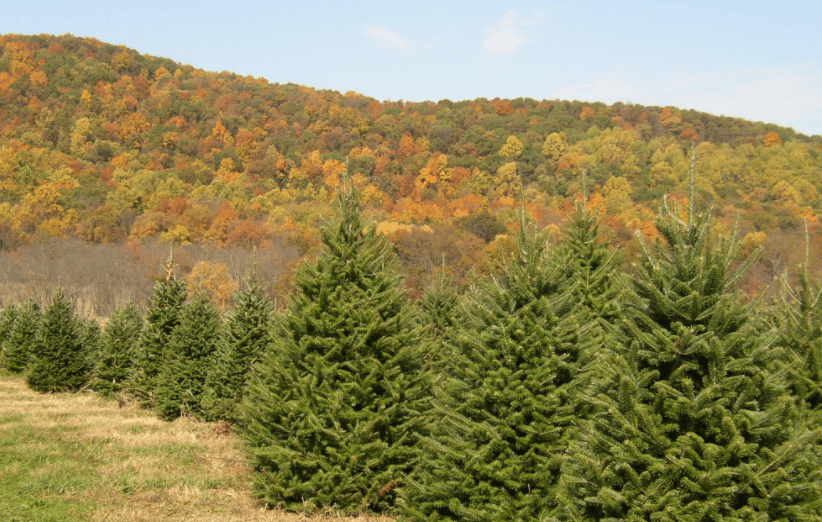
[
  {"x": 506, "y": 36},
  {"x": 789, "y": 95},
  {"x": 386, "y": 38}
]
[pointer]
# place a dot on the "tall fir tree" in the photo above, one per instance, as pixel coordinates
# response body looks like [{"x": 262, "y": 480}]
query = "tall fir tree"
[
  {"x": 589, "y": 265},
  {"x": 162, "y": 317},
  {"x": 22, "y": 337},
  {"x": 508, "y": 406},
  {"x": 119, "y": 345},
  {"x": 247, "y": 337},
  {"x": 799, "y": 318},
  {"x": 191, "y": 348},
  {"x": 333, "y": 413},
  {"x": 7, "y": 318},
  {"x": 691, "y": 424},
  {"x": 60, "y": 355}
]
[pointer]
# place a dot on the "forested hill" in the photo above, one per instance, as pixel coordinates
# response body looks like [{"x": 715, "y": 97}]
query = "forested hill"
[{"x": 105, "y": 144}]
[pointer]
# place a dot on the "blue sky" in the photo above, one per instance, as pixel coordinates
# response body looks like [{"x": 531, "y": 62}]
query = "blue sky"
[{"x": 753, "y": 59}]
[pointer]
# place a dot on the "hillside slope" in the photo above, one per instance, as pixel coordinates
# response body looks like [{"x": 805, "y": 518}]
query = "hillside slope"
[{"x": 104, "y": 144}]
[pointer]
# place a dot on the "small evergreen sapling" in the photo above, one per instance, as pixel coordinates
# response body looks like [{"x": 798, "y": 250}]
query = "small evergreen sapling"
[
  {"x": 162, "y": 317},
  {"x": 333, "y": 413},
  {"x": 181, "y": 382},
  {"x": 247, "y": 337},
  {"x": 7, "y": 318},
  {"x": 119, "y": 346},
  {"x": 21, "y": 338},
  {"x": 60, "y": 357}
]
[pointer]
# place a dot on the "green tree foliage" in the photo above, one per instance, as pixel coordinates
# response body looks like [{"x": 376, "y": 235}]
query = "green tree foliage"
[
  {"x": 441, "y": 307},
  {"x": 247, "y": 337},
  {"x": 181, "y": 382},
  {"x": 691, "y": 422},
  {"x": 589, "y": 265},
  {"x": 799, "y": 316},
  {"x": 21, "y": 339},
  {"x": 7, "y": 318},
  {"x": 91, "y": 336},
  {"x": 508, "y": 407},
  {"x": 162, "y": 317},
  {"x": 333, "y": 413},
  {"x": 60, "y": 358},
  {"x": 120, "y": 342},
  {"x": 442, "y": 315},
  {"x": 483, "y": 225}
]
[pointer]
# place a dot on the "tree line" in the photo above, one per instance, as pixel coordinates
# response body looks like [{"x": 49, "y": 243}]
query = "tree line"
[
  {"x": 103, "y": 144},
  {"x": 566, "y": 387}
]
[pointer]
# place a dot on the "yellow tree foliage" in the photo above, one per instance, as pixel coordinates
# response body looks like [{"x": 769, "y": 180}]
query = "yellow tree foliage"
[
  {"x": 771, "y": 139},
  {"x": 554, "y": 146},
  {"x": 436, "y": 171},
  {"x": 214, "y": 279},
  {"x": 783, "y": 191},
  {"x": 617, "y": 191},
  {"x": 80, "y": 135},
  {"x": 178, "y": 234},
  {"x": 512, "y": 149},
  {"x": 752, "y": 242},
  {"x": 507, "y": 181}
]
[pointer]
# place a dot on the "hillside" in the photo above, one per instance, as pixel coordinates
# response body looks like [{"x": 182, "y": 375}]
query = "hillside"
[{"x": 103, "y": 144}]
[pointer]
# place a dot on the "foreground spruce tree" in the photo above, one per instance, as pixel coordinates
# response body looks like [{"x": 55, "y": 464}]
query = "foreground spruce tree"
[
  {"x": 118, "y": 349},
  {"x": 247, "y": 336},
  {"x": 190, "y": 353},
  {"x": 691, "y": 423},
  {"x": 60, "y": 358},
  {"x": 508, "y": 407},
  {"x": 333, "y": 414},
  {"x": 162, "y": 317},
  {"x": 21, "y": 338}
]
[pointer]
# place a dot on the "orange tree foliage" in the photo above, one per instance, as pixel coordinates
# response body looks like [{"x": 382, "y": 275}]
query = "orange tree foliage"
[{"x": 100, "y": 142}]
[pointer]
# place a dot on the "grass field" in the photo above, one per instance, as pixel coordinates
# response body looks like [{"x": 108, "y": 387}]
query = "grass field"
[{"x": 77, "y": 457}]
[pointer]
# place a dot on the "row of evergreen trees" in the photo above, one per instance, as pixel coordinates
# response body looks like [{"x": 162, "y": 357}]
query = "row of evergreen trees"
[
  {"x": 182, "y": 359},
  {"x": 562, "y": 389}
]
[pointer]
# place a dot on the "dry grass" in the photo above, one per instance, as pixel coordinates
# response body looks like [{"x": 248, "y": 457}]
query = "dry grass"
[{"x": 79, "y": 457}]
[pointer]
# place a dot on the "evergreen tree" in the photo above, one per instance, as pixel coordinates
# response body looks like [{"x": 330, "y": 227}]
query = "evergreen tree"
[
  {"x": 799, "y": 316},
  {"x": 441, "y": 307},
  {"x": 508, "y": 407},
  {"x": 91, "y": 338},
  {"x": 691, "y": 424},
  {"x": 7, "y": 318},
  {"x": 333, "y": 413},
  {"x": 119, "y": 345},
  {"x": 162, "y": 317},
  {"x": 248, "y": 335},
  {"x": 21, "y": 339},
  {"x": 589, "y": 265},
  {"x": 181, "y": 382},
  {"x": 59, "y": 359},
  {"x": 442, "y": 316}
]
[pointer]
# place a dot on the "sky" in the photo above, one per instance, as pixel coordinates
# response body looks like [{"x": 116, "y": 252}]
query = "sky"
[{"x": 752, "y": 59}]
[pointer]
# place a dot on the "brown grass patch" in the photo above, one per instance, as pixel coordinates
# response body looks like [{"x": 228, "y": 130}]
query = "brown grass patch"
[{"x": 124, "y": 464}]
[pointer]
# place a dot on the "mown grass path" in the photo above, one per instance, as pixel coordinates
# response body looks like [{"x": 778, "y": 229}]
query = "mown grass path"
[{"x": 77, "y": 457}]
